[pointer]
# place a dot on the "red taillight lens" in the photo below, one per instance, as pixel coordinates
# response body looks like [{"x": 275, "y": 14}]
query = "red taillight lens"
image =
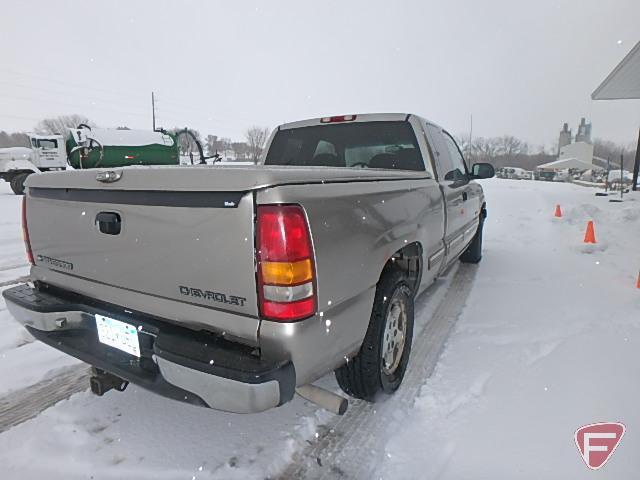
[
  {"x": 25, "y": 231},
  {"x": 286, "y": 279},
  {"x": 282, "y": 234},
  {"x": 289, "y": 311}
]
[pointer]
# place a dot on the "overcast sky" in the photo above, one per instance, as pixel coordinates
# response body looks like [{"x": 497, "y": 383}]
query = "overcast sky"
[{"x": 521, "y": 68}]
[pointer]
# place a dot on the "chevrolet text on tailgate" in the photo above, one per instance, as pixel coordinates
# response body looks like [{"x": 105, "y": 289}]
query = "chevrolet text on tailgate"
[{"x": 234, "y": 287}]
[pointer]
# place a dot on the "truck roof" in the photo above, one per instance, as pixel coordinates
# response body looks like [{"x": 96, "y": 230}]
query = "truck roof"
[
  {"x": 45, "y": 136},
  {"x": 359, "y": 117}
]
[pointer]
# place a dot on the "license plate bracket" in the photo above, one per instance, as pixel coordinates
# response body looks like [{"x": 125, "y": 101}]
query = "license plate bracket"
[{"x": 118, "y": 334}]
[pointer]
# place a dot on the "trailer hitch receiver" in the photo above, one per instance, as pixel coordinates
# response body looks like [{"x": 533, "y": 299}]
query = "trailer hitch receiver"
[{"x": 101, "y": 382}]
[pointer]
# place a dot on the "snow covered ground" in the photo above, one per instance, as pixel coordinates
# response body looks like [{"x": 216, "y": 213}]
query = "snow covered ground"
[
  {"x": 548, "y": 342},
  {"x": 23, "y": 362}
]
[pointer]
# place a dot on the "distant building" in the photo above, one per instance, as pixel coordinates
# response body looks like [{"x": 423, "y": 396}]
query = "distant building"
[
  {"x": 565, "y": 137},
  {"x": 624, "y": 83},
  {"x": 575, "y": 155},
  {"x": 580, "y": 151},
  {"x": 584, "y": 131}
]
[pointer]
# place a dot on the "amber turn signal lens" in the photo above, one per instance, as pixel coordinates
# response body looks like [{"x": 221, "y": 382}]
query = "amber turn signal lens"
[{"x": 286, "y": 273}]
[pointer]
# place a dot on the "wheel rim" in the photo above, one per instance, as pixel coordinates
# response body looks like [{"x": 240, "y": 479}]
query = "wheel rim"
[{"x": 395, "y": 333}]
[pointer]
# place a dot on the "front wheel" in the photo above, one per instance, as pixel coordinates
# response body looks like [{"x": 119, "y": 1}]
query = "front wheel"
[
  {"x": 383, "y": 357},
  {"x": 17, "y": 183},
  {"x": 473, "y": 253}
]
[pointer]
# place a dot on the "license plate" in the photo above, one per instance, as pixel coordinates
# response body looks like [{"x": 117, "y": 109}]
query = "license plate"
[{"x": 118, "y": 334}]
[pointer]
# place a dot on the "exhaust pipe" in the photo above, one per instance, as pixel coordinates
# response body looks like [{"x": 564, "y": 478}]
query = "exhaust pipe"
[{"x": 324, "y": 398}]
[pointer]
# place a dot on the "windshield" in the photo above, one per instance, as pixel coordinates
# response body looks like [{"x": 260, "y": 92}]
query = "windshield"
[
  {"x": 48, "y": 144},
  {"x": 389, "y": 145}
]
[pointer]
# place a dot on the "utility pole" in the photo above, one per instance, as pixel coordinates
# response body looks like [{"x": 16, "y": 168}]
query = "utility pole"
[
  {"x": 470, "y": 137},
  {"x": 621, "y": 181},
  {"x": 153, "y": 110},
  {"x": 636, "y": 165}
]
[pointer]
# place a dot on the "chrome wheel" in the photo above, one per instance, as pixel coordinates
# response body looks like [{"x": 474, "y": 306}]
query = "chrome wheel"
[{"x": 394, "y": 336}]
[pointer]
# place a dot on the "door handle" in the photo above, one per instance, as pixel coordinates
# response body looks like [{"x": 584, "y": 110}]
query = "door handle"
[
  {"x": 109, "y": 223},
  {"x": 465, "y": 196}
]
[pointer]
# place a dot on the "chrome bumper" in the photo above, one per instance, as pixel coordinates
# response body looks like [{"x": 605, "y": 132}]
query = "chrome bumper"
[{"x": 166, "y": 366}]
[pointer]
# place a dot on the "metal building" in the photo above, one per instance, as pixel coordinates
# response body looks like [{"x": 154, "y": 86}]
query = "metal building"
[{"x": 624, "y": 83}]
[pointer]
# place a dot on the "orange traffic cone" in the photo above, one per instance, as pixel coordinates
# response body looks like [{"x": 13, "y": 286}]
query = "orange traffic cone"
[
  {"x": 638, "y": 282},
  {"x": 558, "y": 212},
  {"x": 590, "y": 234}
]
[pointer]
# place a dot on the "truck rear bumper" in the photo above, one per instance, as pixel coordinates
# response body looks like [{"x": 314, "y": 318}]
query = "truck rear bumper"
[{"x": 190, "y": 366}]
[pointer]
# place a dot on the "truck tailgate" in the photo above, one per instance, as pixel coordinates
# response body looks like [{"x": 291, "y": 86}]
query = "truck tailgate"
[
  {"x": 193, "y": 247},
  {"x": 185, "y": 250}
]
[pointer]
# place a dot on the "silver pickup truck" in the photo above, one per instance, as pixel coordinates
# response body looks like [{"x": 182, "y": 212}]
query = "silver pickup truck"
[{"x": 232, "y": 286}]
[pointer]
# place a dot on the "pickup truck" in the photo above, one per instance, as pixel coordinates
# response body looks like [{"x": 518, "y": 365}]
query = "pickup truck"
[{"x": 232, "y": 286}]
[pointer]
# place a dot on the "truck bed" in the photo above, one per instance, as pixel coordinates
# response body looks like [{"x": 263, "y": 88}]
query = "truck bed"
[{"x": 229, "y": 178}]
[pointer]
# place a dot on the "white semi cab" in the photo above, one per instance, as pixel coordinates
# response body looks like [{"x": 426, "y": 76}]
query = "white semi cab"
[{"x": 46, "y": 153}]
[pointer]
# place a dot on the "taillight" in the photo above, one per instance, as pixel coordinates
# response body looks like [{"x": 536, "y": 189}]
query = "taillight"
[
  {"x": 338, "y": 119},
  {"x": 286, "y": 279},
  {"x": 25, "y": 231}
]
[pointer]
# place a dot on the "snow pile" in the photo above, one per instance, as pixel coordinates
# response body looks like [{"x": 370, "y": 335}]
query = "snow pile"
[
  {"x": 548, "y": 342},
  {"x": 137, "y": 434},
  {"x": 22, "y": 361}
]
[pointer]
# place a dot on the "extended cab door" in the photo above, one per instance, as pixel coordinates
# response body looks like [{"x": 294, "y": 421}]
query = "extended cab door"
[{"x": 454, "y": 182}]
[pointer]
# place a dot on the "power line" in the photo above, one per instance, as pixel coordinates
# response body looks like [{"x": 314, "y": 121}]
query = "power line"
[
  {"x": 93, "y": 99},
  {"x": 66, "y": 83},
  {"x": 48, "y": 100}
]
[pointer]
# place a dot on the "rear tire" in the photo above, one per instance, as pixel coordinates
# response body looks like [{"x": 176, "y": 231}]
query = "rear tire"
[
  {"x": 390, "y": 331},
  {"x": 17, "y": 183},
  {"x": 473, "y": 253}
]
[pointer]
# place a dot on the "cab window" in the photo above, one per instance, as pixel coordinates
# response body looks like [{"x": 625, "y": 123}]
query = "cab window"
[{"x": 459, "y": 170}]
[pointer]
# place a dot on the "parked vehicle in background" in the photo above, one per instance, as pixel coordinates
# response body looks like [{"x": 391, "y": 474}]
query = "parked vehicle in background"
[
  {"x": 562, "y": 176},
  {"x": 231, "y": 286},
  {"x": 545, "y": 175},
  {"x": 47, "y": 153},
  {"x": 516, "y": 173},
  {"x": 87, "y": 147}
]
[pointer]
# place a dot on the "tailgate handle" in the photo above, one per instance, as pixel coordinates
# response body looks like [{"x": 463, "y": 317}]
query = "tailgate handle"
[{"x": 109, "y": 223}]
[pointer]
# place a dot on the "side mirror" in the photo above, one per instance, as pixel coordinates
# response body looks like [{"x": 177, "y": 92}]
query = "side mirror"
[{"x": 482, "y": 170}]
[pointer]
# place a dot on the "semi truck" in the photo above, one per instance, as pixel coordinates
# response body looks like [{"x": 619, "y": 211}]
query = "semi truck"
[{"x": 46, "y": 153}]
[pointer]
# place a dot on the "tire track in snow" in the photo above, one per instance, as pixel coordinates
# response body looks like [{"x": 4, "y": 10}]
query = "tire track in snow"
[
  {"x": 14, "y": 281},
  {"x": 4, "y": 268},
  {"x": 352, "y": 446},
  {"x": 25, "y": 404}
]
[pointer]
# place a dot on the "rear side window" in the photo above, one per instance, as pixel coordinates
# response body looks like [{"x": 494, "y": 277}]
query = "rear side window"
[{"x": 389, "y": 145}]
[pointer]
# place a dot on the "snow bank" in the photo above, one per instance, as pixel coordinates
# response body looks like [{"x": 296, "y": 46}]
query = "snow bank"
[{"x": 549, "y": 341}]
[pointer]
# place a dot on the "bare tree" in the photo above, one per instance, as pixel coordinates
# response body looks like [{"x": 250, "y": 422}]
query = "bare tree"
[
  {"x": 212, "y": 144},
  {"x": 510, "y": 146},
  {"x": 240, "y": 150},
  {"x": 256, "y": 138},
  {"x": 186, "y": 144},
  {"x": 465, "y": 147},
  {"x": 60, "y": 125},
  {"x": 17, "y": 139},
  {"x": 484, "y": 149}
]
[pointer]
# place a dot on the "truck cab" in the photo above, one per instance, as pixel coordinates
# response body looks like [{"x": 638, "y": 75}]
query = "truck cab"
[{"x": 46, "y": 153}]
